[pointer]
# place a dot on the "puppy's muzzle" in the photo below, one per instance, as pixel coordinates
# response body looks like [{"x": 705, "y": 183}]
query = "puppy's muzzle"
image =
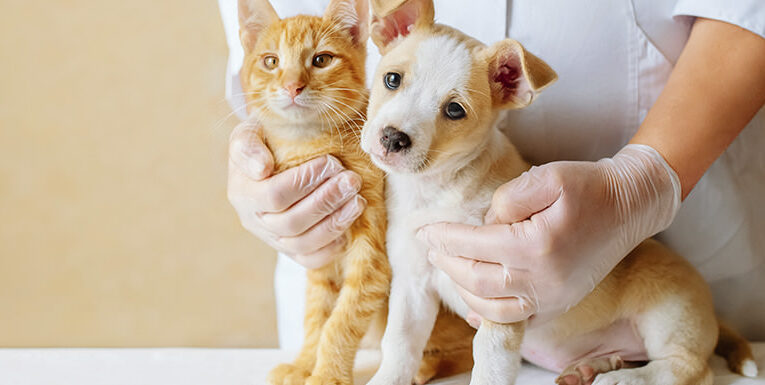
[{"x": 394, "y": 140}]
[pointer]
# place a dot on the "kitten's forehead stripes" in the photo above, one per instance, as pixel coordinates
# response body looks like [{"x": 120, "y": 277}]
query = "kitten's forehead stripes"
[{"x": 301, "y": 41}]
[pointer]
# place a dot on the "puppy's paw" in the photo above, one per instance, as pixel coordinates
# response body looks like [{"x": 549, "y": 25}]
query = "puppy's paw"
[
  {"x": 288, "y": 374},
  {"x": 424, "y": 376},
  {"x": 584, "y": 372},
  {"x": 625, "y": 377},
  {"x": 322, "y": 380},
  {"x": 382, "y": 379}
]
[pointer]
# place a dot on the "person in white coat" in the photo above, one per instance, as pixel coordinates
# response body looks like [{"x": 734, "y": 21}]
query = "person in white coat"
[{"x": 683, "y": 81}]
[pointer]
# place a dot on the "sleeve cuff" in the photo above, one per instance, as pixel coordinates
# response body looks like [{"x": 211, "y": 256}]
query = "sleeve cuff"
[{"x": 747, "y": 14}]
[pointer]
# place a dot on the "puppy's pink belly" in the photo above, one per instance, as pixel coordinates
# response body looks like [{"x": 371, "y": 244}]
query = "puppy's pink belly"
[{"x": 619, "y": 339}]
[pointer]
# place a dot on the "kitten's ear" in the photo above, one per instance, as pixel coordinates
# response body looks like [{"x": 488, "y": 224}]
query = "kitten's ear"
[
  {"x": 392, "y": 19},
  {"x": 515, "y": 75},
  {"x": 353, "y": 15},
  {"x": 254, "y": 17}
]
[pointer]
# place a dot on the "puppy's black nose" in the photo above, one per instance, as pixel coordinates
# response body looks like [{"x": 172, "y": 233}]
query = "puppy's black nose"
[{"x": 394, "y": 140}]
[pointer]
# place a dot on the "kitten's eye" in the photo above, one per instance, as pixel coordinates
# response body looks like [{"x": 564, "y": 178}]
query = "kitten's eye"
[
  {"x": 271, "y": 62},
  {"x": 454, "y": 111},
  {"x": 322, "y": 60},
  {"x": 392, "y": 80}
]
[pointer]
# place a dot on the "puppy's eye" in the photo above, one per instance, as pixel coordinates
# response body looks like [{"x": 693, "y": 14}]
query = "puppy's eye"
[
  {"x": 322, "y": 60},
  {"x": 270, "y": 62},
  {"x": 392, "y": 80},
  {"x": 454, "y": 111}
]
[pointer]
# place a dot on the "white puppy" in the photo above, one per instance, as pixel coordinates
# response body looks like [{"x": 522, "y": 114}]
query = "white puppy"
[{"x": 431, "y": 125}]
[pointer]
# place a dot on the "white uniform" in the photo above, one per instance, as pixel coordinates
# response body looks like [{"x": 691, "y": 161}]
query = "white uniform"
[{"x": 613, "y": 58}]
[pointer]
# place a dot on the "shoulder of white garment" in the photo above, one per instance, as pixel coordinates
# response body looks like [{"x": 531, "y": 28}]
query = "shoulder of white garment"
[{"x": 747, "y": 14}]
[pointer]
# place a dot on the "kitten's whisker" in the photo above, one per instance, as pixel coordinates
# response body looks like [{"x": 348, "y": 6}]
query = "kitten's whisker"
[
  {"x": 233, "y": 112},
  {"x": 334, "y": 125},
  {"x": 253, "y": 93},
  {"x": 359, "y": 116},
  {"x": 348, "y": 118},
  {"x": 355, "y": 110}
]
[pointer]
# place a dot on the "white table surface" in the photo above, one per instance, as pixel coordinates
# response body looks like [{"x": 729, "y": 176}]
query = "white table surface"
[{"x": 215, "y": 367}]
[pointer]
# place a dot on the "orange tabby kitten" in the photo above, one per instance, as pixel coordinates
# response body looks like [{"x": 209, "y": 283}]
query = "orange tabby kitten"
[{"x": 303, "y": 79}]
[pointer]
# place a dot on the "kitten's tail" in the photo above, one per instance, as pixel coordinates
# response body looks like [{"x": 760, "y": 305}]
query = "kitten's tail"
[{"x": 736, "y": 350}]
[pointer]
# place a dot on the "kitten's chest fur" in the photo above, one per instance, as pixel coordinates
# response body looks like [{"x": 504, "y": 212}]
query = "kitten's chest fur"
[{"x": 293, "y": 149}]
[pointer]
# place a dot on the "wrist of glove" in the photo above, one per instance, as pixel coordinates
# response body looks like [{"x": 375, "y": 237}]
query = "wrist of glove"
[{"x": 646, "y": 191}]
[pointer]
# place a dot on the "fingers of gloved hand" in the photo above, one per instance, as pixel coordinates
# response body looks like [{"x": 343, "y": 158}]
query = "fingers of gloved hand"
[
  {"x": 248, "y": 152},
  {"x": 499, "y": 310},
  {"x": 309, "y": 211},
  {"x": 280, "y": 191},
  {"x": 490, "y": 243},
  {"x": 326, "y": 231},
  {"x": 323, "y": 256},
  {"x": 485, "y": 280},
  {"x": 531, "y": 192}
]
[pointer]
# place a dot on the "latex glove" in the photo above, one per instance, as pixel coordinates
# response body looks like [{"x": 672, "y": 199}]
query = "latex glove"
[
  {"x": 554, "y": 233},
  {"x": 302, "y": 212}
]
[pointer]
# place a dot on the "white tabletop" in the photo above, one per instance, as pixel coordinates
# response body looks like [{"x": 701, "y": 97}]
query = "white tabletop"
[{"x": 215, "y": 367}]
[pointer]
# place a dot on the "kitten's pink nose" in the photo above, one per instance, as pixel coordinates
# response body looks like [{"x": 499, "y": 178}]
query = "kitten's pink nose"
[{"x": 294, "y": 89}]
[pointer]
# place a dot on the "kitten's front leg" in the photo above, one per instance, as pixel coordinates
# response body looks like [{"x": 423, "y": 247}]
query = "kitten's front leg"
[
  {"x": 412, "y": 311},
  {"x": 363, "y": 294},
  {"x": 496, "y": 353},
  {"x": 321, "y": 294}
]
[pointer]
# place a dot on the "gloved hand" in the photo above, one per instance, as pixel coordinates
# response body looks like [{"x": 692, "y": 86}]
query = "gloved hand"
[
  {"x": 302, "y": 212},
  {"x": 552, "y": 234}
]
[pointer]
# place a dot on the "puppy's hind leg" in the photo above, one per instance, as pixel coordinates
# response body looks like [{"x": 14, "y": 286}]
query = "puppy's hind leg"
[
  {"x": 679, "y": 337},
  {"x": 449, "y": 350},
  {"x": 496, "y": 353}
]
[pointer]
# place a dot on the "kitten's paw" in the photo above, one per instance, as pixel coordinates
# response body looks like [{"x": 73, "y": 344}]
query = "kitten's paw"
[
  {"x": 321, "y": 380},
  {"x": 584, "y": 372},
  {"x": 288, "y": 374}
]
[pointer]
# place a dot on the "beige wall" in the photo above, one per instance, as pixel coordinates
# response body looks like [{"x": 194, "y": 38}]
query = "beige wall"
[{"x": 114, "y": 224}]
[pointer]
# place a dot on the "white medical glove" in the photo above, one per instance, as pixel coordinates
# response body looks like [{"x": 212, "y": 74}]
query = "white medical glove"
[
  {"x": 302, "y": 212},
  {"x": 552, "y": 234}
]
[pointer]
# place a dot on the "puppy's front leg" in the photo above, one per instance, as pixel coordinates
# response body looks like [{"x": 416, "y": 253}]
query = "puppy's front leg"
[
  {"x": 412, "y": 312},
  {"x": 496, "y": 353}
]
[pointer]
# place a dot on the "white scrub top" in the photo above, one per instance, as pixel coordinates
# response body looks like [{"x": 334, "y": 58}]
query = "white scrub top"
[{"x": 613, "y": 58}]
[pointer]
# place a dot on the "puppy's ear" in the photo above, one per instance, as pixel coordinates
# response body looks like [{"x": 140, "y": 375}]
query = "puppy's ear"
[
  {"x": 353, "y": 15},
  {"x": 392, "y": 19},
  {"x": 515, "y": 75},
  {"x": 254, "y": 17}
]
